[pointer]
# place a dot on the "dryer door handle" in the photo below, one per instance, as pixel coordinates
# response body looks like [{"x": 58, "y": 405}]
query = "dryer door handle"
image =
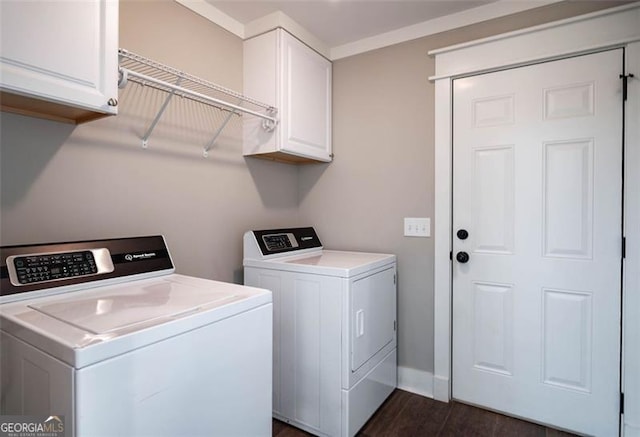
[{"x": 359, "y": 323}]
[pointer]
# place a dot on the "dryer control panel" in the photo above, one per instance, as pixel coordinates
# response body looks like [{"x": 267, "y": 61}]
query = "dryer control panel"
[{"x": 272, "y": 241}]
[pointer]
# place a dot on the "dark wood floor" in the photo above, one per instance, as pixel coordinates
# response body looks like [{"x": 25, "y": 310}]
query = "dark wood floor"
[{"x": 408, "y": 415}]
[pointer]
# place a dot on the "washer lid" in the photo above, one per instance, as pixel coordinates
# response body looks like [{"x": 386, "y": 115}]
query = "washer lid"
[
  {"x": 84, "y": 327},
  {"x": 123, "y": 307},
  {"x": 339, "y": 259},
  {"x": 337, "y": 263}
]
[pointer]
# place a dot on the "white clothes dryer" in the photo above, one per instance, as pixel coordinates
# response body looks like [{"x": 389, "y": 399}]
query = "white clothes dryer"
[
  {"x": 105, "y": 335},
  {"x": 334, "y": 332}
]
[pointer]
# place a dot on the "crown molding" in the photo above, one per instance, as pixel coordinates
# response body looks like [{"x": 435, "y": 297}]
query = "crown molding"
[
  {"x": 215, "y": 15},
  {"x": 489, "y": 11}
]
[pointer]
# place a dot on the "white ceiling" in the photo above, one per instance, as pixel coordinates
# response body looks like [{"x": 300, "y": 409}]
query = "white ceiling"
[
  {"x": 338, "y": 22},
  {"x": 341, "y": 28}
]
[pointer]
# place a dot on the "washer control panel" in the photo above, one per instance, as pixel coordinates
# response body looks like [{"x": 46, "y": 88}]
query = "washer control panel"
[
  {"x": 45, "y": 267},
  {"x": 38, "y": 269}
]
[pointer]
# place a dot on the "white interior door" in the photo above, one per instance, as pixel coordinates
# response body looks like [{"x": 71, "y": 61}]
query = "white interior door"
[{"x": 537, "y": 185}]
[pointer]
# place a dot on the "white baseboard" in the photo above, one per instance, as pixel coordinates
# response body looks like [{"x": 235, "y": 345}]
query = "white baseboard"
[
  {"x": 441, "y": 389},
  {"x": 415, "y": 381}
]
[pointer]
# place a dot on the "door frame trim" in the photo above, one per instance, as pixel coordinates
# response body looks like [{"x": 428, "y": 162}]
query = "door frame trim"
[{"x": 615, "y": 27}]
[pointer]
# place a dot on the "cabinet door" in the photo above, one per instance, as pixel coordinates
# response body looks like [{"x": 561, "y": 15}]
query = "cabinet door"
[
  {"x": 61, "y": 52},
  {"x": 306, "y": 101}
]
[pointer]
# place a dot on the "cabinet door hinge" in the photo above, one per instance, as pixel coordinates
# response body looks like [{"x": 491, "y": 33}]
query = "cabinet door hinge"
[
  {"x": 394, "y": 325},
  {"x": 625, "y": 80},
  {"x": 450, "y": 256},
  {"x": 394, "y": 279},
  {"x": 624, "y": 247},
  {"x": 621, "y": 403}
]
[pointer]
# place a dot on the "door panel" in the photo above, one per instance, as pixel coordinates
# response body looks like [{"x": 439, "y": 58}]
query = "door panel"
[
  {"x": 493, "y": 327},
  {"x": 537, "y": 184},
  {"x": 567, "y": 339},
  {"x": 493, "y": 199},
  {"x": 568, "y": 198}
]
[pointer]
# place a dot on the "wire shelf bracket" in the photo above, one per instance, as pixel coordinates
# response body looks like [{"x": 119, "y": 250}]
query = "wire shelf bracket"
[{"x": 146, "y": 72}]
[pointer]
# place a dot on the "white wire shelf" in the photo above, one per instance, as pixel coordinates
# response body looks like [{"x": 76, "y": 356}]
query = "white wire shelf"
[{"x": 146, "y": 72}]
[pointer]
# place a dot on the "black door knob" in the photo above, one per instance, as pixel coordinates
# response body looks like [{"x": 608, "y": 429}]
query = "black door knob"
[
  {"x": 462, "y": 257},
  {"x": 462, "y": 234}
]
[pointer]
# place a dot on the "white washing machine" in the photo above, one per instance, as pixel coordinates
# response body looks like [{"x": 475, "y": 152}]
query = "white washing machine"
[
  {"x": 105, "y": 335},
  {"x": 334, "y": 331}
]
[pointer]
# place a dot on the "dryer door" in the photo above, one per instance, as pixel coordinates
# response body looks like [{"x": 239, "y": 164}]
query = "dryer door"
[{"x": 373, "y": 315}]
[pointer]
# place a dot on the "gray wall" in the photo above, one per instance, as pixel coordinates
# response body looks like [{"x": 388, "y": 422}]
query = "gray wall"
[
  {"x": 382, "y": 172},
  {"x": 59, "y": 182}
]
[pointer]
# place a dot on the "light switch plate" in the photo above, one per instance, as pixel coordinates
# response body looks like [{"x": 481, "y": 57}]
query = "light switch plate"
[{"x": 417, "y": 227}]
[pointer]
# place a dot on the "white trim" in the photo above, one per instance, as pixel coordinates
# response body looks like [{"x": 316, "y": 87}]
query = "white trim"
[
  {"x": 614, "y": 27},
  {"x": 604, "y": 29},
  {"x": 431, "y": 27},
  {"x": 533, "y": 29},
  {"x": 441, "y": 388},
  {"x": 215, "y": 15},
  {"x": 631, "y": 430},
  {"x": 528, "y": 61},
  {"x": 631, "y": 316},
  {"x": 279, "y": 19},
  {"x": 442, "y": 264},
  {"x": 415, "y": 381}
]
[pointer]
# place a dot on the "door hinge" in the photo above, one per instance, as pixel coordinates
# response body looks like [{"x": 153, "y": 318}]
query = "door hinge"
[
  {"x": 621, "y": 403},
  {"x": 450, "y": 256},
  {"x": 624, "y": 247},
  {"x": 394, "y": 325},
  {"x": 394, "y": 279},
  {"x": 625, "y": 87}
]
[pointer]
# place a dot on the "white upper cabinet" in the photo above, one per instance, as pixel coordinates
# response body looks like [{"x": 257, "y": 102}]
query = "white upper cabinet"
[
  {"x": 59, "y": 60},
  {"x": 284, "y": 72}
]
